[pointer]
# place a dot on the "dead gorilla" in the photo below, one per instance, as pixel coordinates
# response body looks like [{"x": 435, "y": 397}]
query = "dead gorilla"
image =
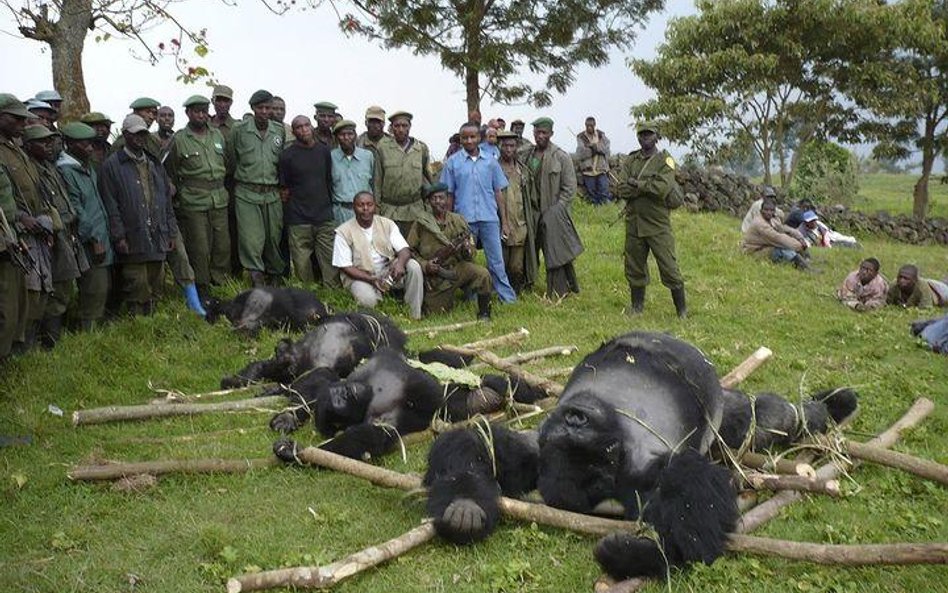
[
  {"x": 269, "y": 307},
  {"x": 634, "y": 424}
]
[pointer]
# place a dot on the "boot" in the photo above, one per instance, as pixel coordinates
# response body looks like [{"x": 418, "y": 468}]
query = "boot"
[
  {"x": 678, "y": 297},
  {"x": 52, "y": 329},
  {"x": 258, "y": 279},
  {"x": 483, "y": 307},
  {"x": 638, "y": 300},
  {"x": 87, "y": 325},
  {"x": 193, "y": 300}
]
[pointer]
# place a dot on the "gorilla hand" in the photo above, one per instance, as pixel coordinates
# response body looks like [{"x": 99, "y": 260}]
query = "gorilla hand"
[
  {"x": 284, "y": 422},
  {"x": 285, "y": 449},
  {"x": 624, "y": 555},
  {"x": 465, "y": 517}
]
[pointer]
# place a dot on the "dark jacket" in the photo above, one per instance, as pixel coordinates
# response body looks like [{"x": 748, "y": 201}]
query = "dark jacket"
[
  {"x": 551, "y": 194},
  {"x": 148, "y": 230}
]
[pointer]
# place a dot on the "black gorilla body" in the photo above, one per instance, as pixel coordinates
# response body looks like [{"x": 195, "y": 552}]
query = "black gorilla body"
[
  {"x": 337, "y": 343},
  {"x": 269, "y": 307},
  {"x": 634, "y": 423}
]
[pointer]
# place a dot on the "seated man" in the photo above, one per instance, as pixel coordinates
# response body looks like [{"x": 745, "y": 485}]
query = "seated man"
[
  {"x": 767, "y": 235},
  {"x": 796, "y": 215},
  {"x": 911, "y": 291},
  {"x": 864, "y": 289},
  {"x": 818, "y": 234},
  {"x": 373, "y": 258},
  {"x": 752, "y": 212},
  {"x": 442, "y": 244}
]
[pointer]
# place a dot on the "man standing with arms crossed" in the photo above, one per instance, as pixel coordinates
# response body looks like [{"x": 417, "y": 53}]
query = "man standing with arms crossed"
[{"x": 403, "y": 170}]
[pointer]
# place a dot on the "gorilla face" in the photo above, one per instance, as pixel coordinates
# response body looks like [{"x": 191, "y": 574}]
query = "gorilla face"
[
  {"x": 340, "y": 405},
  {"x": 583, "y": 423}
]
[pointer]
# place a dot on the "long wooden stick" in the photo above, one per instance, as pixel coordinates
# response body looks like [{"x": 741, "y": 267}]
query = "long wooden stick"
[
  {"x": 172, "y": 396},
  {"x": 550, "y": 387},
  {"x": 532, "y": 355},
  {"x": 434, "y": 329},
  {"x": 511, "y": 338},
  {"x": 766, "y": 511},
  {"x": 113, "y": 471},
  {"x": 743, "y": 370},
  {"x": 144, "y": 411},
  {"x": 787, "y": 467},
  {"x": 924, "y": 468},
  {"x": 842, "y": 555},
  {"x": 759, "y": 481}
]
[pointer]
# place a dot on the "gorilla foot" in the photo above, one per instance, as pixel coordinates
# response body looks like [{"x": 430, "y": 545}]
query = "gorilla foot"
[
  {"x": 285, "y": 450},
  {"x": 623, "y": 555},
  {"x": 284, "y": 422}
]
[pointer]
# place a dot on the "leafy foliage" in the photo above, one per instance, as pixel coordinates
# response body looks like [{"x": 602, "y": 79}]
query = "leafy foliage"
[{"x": 827, "y": 173}]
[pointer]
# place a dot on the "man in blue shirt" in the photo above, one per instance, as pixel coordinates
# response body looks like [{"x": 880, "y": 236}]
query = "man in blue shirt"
[
  {"x": 476, "y": 182},
  {"x": 353, "y": 171}
]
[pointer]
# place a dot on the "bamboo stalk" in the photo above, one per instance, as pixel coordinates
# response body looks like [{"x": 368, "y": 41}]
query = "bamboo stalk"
[
  {"x": 112, "y": 471},
  {"x": 434, "y": 329},
  {"x": 145, "y": 411},
  {"x": 759, "y": 481},
  {"x": 923, "y": 468},
  {"x": 743, "y": 370}
]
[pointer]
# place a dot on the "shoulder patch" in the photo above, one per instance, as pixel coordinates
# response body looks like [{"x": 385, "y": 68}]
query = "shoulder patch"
[{"x": 670, "y": 162}]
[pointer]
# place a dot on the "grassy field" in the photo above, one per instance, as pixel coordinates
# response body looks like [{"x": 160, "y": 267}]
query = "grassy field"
[
  {"x": 893, "y": 193},
  {"x": 189, "y": 533}
]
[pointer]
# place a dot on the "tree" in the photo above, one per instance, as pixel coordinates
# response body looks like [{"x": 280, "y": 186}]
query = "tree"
[
  {"x": 759, "y": 68},
  {"x": 488, "y": 43}
]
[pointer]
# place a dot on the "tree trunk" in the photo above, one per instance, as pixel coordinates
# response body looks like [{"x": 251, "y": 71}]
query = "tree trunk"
[
  {"x": 920, "y": 193},
  {"x": 66, "y": 49},
  {"x": 472, "y": 85}
]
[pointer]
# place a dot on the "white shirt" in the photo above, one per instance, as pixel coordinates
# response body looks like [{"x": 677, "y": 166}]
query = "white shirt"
[{"x": 342, "y": 251}]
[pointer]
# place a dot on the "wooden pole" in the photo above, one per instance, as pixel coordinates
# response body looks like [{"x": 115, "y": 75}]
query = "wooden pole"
[
  {"x": 842, "y": 555},
  {"x": 511, "y": 338},
  {"x": 923, "y": 468},
  {"x": 163, "y": 410},
  {"x": 550, "y": 387},
  {"x": 766, "y": 463},
  {"x": 532, "y": 355},
  {"x": 434, "y": 329},
  {"x": 176, "y": 397},
  {"x": 743, "y": 370},
  {"x": 113, "y": 471},
  {"x": 759, "y": 481}
]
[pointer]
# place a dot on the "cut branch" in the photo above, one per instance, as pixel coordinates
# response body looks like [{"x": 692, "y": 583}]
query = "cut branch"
[
  {"x": 435, "y": 329},
  {"x": 842, "y": 555},
  {"x": 511, "y": 338},
  {"x": 799, "y": 483},
  {"x": 534, "y": 355},
  {"x": 146, "y": 411},
  {"x": 114, "y": 471},
  {"x": 924, "y": 468},
  {"x": 743, "y": 370}
]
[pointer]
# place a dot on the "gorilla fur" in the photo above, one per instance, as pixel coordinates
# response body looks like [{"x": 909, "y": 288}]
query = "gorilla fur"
[
  {"x": 268, "y": 307},
  {"x": 634, "y": 424},
  {"x": 338, "y": 343}
]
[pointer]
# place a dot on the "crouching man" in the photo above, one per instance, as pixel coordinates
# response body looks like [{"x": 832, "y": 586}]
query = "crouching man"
[
  {"x": 443, "y": 246},
  {"x": 374, "y": 258}
]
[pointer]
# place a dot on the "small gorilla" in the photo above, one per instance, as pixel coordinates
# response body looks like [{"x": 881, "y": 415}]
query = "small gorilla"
[
  {"x": 337, "y": 343},
  {"x": 634, "y": 423},
  {"x": 385, "y": 398},
  {"x": 269, "y": 307}
]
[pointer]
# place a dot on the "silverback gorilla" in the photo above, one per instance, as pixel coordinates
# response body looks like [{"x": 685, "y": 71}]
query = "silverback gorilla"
[
  {"x": 634, "y": 424},
  {"x": 268, "y": 307}
]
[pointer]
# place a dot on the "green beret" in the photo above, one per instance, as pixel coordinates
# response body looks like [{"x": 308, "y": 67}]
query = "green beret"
[
  {"x": 647, "y": 126},
  {"x": 430, "y": 190},
  {"x": 77, "y": 131},
  {"x": 399, "y": 114},
  {"x": 325, "y": 107},
  {"x": 37, "y": 133},
  {"x": 95, "y": 117},
  {"x": 259, "y": 97},
  {"x": 544, "y": 123},
  {"x": 342, "y": 124},
  {"x": 144, "y": 103},
  {"x": 222, "y": 90},
  {"x": 196, "y": 100},
  {"x": 10, "y": 104}
]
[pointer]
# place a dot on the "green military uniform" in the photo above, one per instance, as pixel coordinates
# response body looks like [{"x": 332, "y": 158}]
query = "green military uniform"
[
  {"x": 648, "y": 220},
  {"x": 363, "y": 141},
  {"x": 226, "y": 128},
  {"x": 12, "y": 278},
  {"x": 252, "y": 157},
  {"x": 196, "y": 165},
  {"x": 427, "y": 237},
  {"x": 402, "y": 173},
  {"x": 520, "y": 240}
]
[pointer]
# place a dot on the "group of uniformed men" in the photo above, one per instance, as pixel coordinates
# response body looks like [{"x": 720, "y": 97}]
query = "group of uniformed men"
[{"x": 222, "y": 194}]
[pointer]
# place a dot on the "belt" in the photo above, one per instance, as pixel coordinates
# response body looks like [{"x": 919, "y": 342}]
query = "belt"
[
  {"x": 259, "y": 187},
  {"x": 202, "y": 184}
]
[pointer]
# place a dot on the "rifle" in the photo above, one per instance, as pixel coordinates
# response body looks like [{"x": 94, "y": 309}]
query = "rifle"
[{"x": 446, "y": 251}]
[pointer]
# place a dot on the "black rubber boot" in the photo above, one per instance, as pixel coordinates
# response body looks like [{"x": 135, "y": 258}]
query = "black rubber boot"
[
  {"x": 483, "y": 307},
  {"x": 638, "y": 300},
  {"x": 51, "y": 330},
  {"x": 678, "y": 296}
]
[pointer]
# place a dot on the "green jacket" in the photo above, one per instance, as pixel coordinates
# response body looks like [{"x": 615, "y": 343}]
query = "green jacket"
[
  {"x": 550, "y": 188},
  {"x": 197, "y": 167},
  {"x": 83, "y": 188},
  {"x": 8, "y": 206},
  {"x": 24, "y": 176},
  {"x": 252, "y": 159},
  {"x": 226, "y": 128},
  {"x": 68, "y": 257},
  {"x": 645, "y": 210},
  {"x": 402, "y": 175}
]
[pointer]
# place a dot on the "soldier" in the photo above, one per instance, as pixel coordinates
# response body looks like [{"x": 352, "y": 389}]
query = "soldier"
[
  {"x": 354, "y": 170},
  {"x": 147, "y": 109},
  {"x": 306, "y": 191},
  {"x": 519, "y": 245},
  {"x": 101, "y": 146},
  {"x": 54, "y": 99},
  {"x": 68, "y": 260},
  {"x": 252, "y": 157},
  {"x": 592, "y": 152},
  {"x": 524, "y": 146},
  {"x": 44, "y": 112},
  {"x": 325, "y": 120},
  {"x": 137, "y": 196},
  {"x": 374, "y": 129},
  {"x": 223, "y": 97},
  {"x": 75, "y": 165},
  {"x": 13, "y": 261},
  {"x": 442, "y": 244},
  {"x": 196, "y": 165},
  {"x": 278, "y": 115},
  {"x": 647, "y": 184},
  {"x": 403, "y": 170},
  {"x": 550, "y": 187},
  {"x": 165, "y": 129}
]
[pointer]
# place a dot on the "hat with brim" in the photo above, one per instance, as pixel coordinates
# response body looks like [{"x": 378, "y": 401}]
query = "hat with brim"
[
  {"x": 430, "y": 190},
  {"x": 33, "y": 133},
  {"x": 10, "y": 104},
  {"x": 195, "y": 100},
  {"x": 325, "y": 107},
  {"x": 96, "y": 117},
  {"x": 506, "y": 135},
  {"x": 647, "y": 126},
  {"x": 375, "y": 112},
  {"x": 810, "y": 216},
  {"x": 134, "y": 124},
  {"x": 222, "y": 90},
  {"x": 77, "y": 131},
  {"x": 399, "y": 115},
  {"x": 261, "y": 96},
  {"x": 37, "y": 104},
  {"x": 144, "y": 103},
  {"x": 48, "y": 96},
  {"x": 544, "y": 123},
  {"x": 342, "y": 125}
]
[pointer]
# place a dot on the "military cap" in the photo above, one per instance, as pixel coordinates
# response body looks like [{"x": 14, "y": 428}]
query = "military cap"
[
  {"x": 144, "y": 103},
  {"x": 10, "y": 104},
  {"x": 77, "y": 131},
  {"x": 196, "y": 100},
  {"x": 430, "y": 190},
  {"x": 544, "y": 123},
  {"x": 646, "y": 126},
  {"x": 134, "y": 124},
  {"x": 506, "y": 135},
  {"x": 37, "y": 132},
  {"x": 375, "y": 112},
  {"x": 222, "y": 90},
  {"x": 259, "y": 97},
  {"x": 342, "y": 124},
  {"x": 517, "y": 121},
  {"x": 37, "y": 104},
  {"x": 399, "y": 114},
  {"x": 95, "y": 117},
  {"x": 325, "y": 106},
  {"x": 48, "y": 96}
]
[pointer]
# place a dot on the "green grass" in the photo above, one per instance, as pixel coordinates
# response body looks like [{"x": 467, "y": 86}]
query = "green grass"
[
  {"x": 189, "y": 533},
  {"x": 893, "y": 194}
]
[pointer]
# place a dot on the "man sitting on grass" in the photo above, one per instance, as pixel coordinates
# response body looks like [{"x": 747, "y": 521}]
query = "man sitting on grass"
[
  {"x": 767, "y": 235},
  {"x": 864, "y": 289}
]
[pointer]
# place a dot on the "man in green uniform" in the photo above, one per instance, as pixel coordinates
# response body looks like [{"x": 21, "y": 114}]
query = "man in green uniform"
[
  {"x": 75, "y": 165},
  {"x": 550, "y": 188},
  {"x": 524, "y": 146},
  {"x": 374, "y": 130},
  {"x": 442, "y": 244},
  {"x": 147, "y": 109},
  {"x": 326, "y": 117},
  {"x": 646, "y": 183},
  {"x": 12, "y": 276},
  {"x": 196, "y": 165},
  {"x": 252, "y": 156},
  {"x": 101, "y": 144},
  {"x": 519, "y": 246},
  {"x": 223, "y": 97},
  {"x": 403, "y": 170}
]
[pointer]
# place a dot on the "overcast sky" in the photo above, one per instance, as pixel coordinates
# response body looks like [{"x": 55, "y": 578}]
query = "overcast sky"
[{"x": 305, "y": 58}]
